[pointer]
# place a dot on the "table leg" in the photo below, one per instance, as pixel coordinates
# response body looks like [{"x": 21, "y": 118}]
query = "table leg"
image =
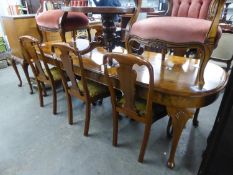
[
  {"x": 13, "y": 62},
  {"x": 195, "y": 119},
  {"x": 179, "y": 116},
  {"x": 109, "y": 31}
]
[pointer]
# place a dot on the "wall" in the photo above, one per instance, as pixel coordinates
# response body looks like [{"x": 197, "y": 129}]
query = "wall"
[
  {"x": 145, "y": 3},
  {"x": 3, "y": 9}
]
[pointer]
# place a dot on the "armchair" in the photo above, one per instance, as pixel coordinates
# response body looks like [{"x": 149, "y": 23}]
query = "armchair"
[{"x": 187, "y": 24}]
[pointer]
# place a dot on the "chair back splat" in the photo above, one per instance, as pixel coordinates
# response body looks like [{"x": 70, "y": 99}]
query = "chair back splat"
[
  {"x": 127, "y": 78},
  {"x": 67, "y": 56}
]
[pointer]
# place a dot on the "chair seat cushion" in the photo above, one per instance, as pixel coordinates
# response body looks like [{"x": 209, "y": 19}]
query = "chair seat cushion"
[
  {"x": 51, "y": 20},
  {"x": 55, "y": 73},
  {"x": 173, "y": 29},
  {"x": 159, "y": 111},
  {"x": 94, "y": 88}
]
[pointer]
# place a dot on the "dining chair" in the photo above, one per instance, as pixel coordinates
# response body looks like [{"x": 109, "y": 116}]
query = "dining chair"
[
  {"x": 188, "y": 24},
  {"x": 81, "y": 88},
  {"x": 124, "y": 98},
  {"x": 56, "y": 20},
  {"x": 42, "y": 73}
]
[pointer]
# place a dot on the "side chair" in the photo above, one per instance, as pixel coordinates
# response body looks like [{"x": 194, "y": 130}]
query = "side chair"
[
  {"x": 42, "y": 73},
  {"x": 56, "y": 20},
  {"x": 124, "y": 97},
  {"x": 81, "y": 88}
]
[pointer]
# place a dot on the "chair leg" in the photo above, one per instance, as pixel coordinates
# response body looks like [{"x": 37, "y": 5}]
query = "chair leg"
[
  {"x": 40, "y": 33},
  {"x": 70, "y": 109},
  {"x": 40, "y": 94},
  {"x": 169, "y": 128},
  {"x": 100, "y": 101},
  {"x": 144, "y": 142},
  {"x": 89, "y": 34},
  {"x": 25, "y": 70},
  {"x": 16, "y": 71},
  {"x": 44, "y": 90},
  {"x": 195, "y": 118},
  {"x": 54, "y": 99},
  {"x": 63, "y": 36},
  {"x": 87, "y": 120},
  {"x": 115, "y": 128}
]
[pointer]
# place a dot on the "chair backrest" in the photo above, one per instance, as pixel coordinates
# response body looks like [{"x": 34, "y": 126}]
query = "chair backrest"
[
  {"x": 78, "y": 3},
  {"x": 46, "y": 5},
  {"x": 190, "y": 8},
  {"x": 67, "y": 55},
  {"x": 30, "y": 46},
  {"x": 127, "y": 75}
]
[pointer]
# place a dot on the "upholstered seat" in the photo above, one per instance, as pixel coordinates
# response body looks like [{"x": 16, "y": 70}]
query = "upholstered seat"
[
  {"x": 55, "y": 73},
  {"x": 51, "y": 20},
  {"x": 94, "y": 89},
  {"x": 140, "y": 106},
  {"x": 178, "y": 28}
]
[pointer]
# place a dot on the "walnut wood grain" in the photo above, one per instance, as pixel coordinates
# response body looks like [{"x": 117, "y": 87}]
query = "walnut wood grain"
[{"x": 174, "y": 84}]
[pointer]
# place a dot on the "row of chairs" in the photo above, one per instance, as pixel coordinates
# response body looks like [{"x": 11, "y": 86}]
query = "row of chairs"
[{"x": 124, "y": 99}]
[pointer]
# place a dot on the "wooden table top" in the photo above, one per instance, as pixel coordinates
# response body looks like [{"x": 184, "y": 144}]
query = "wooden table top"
[
  {"x": 174, "y": 77},
  {"x": 174, "y": 84},
  {"x": 100, "y": 10}
]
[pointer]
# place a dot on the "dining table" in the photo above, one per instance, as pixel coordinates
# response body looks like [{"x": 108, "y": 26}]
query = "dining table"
[{"x": 174, "y": 83}]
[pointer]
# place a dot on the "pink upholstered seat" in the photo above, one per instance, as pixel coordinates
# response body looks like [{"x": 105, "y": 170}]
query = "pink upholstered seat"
[
  {"x": 51, "y": 20},
  {"x": 173, "y": 29},
  {"x": 187, "y": 23}
]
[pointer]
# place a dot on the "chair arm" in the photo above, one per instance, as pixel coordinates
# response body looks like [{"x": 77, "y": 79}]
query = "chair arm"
[
  {"x": 215, "y": 12},
  {"x": 138, "y": 4},
  {"x": 156, "y": 14},
  {"x": 40, "y": 9}
]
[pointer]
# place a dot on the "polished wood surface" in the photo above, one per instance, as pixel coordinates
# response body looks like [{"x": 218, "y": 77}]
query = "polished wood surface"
[
  {"x": 175, "y": 76},
  {"x": 100, "y": 10},
  {"x": 174, "y": 84},
  {"x": 16, "y": 26}
]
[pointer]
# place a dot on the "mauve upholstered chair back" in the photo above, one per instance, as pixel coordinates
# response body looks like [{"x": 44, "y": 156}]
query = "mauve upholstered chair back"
[{"x": 191, "y": 8}]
